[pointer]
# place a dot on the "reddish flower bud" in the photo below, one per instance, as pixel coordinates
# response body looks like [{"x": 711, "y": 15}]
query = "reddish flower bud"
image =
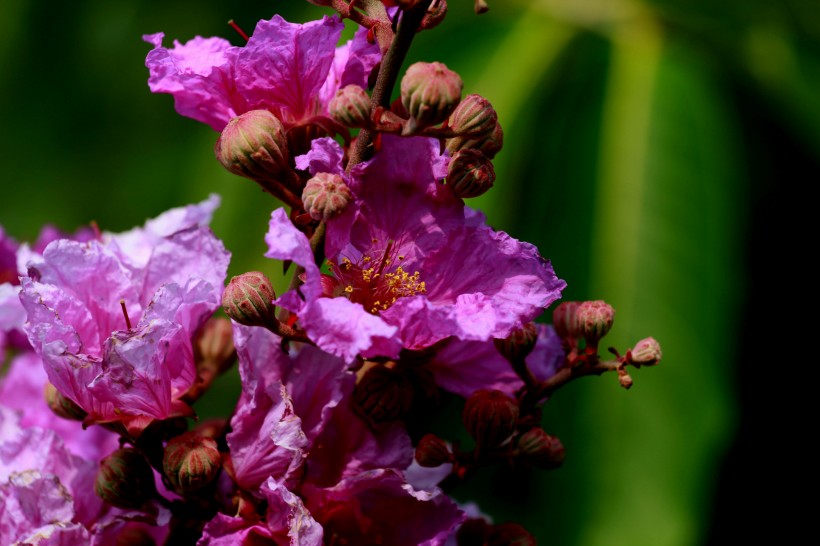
[
  {"x": 191, "y": 461},
  {"x": 351, "y": 106},
  {"x": 541, "y": 449},
  {"x": 214, "y": 345},
  {"x": 383, "y": 394},
  {"x": 325, "y": 195},
  {"x": 429, "y": 93},
  {"x": 474, "y": 117},
  {"x": 470, "y": 174},
  {"x": 62, "y": 406},
  {"x": 490, "y": 417},
  {"x": 563, "y": 319},
  {"x": 594, "y": 319},
  {"x": 489, "y": 144},
  {"x": 254, "y": 145},
  {"x": 125, "y": 479},
  {"x": 516, "y": 346},
  {"x": 432, "y": 451},
  {"x": 248, "y": 299},
  {"x": 509, "y": 534},
  {"x": 647, "y": 352},
  {"x": 134, "y": 536}
]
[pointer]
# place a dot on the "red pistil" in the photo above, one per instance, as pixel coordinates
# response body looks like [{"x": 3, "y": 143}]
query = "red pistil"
[
  {"x": 125, "y": 314},
  {"x": 238, "y": 29}
]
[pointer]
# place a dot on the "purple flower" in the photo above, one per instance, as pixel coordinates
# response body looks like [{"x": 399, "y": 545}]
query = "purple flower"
[
  {"x": 133, "y": 365},
  {"x": 411, "y": 264},
  {"x": 290, "y": 69}
]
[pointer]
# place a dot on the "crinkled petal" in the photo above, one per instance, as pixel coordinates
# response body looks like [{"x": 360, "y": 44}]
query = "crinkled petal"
[
  {"x": 288, "y": 518},
  {"x": 285, "y": 242},
  {"x": 381, "y": 504},
  {"x": 284, "y": 65},
  {"x": 325, "y": 156},
  {"x": 200, "y": 76},
  {"x": 224, "y": 530},
  {"x": 352, "y": 65}
]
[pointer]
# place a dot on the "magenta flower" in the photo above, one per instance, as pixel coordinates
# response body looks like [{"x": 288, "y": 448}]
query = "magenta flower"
[
  {"x": 290, "y": 69},
  {"x": 411, "y": 264},
  {"x": 128, "y": 365}
]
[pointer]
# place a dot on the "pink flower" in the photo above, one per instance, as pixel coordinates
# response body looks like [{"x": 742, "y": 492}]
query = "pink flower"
[
  {"x": 290, "y": 69},
  {"x": 411, "y": 264},
  {"x": 169, "y": 275}
]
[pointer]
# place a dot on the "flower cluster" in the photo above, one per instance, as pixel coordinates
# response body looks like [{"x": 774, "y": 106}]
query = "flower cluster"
[{"x": 400, "y": 292}]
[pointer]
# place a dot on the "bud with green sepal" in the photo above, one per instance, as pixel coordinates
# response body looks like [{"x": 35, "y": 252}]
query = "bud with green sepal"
[
  {"x": 593, "y": 319},
  {"x": 125, "y": 479},
  {"x": 429, "y": 94},
  {"x": 325, "y": 195},
  {"x": 351, "y": 107},
  {"x": 541, "y": 449},
  {"x": 470, "y": 174},
  {"x": 191, "y": 461},
  {"x": 382, "y": 393},
  {"x": 474, "y": 117},
  {"x": 647, "y": 352},
  {"x": 62, "y": 406},
  {"x": 248, "y": 299}
]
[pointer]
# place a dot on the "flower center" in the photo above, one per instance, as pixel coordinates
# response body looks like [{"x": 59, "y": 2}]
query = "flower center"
[{"x": 375, "y": 280}]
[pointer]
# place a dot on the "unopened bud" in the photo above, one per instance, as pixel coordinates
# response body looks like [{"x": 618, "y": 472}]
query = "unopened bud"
[
  {"x": 62, "y": 406},
  {"x": 594, "y": 319},
  {"x": 489, "y": 144},
  {"x": 647, "y": 352},
  {"x": 429, "y": 93},
  {"x": 509, "y": 534},
  {"x": 490, "y": 417},
  {"x": 516, "y": 346},
  {"x": 254, "y": 145},
  {"x": 325, "y": 195},
  {"x": 351, "y": 106},
  {"x": 248, "y": 299},
  {"x": 470, "y": 174},
  {"x": 383, "y": 394},
  {"x": 191, "y": 461},
  {"x": 435, "y": 14},
  {"x": 214, "y": 345},
  {"x": 125, "y": 479},
  {"x": 563, "y": 319},
  {"x": 474, "y": 117},
  {"x": 432, "y": 451},
  {"x": 541, "y": 449}
]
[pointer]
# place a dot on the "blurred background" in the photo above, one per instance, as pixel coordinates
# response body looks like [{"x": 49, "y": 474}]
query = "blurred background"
[{"x": 659, "y": 152}]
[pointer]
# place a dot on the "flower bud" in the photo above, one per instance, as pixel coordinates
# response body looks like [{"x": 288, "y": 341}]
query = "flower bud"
[
  {"x": 470, "y": 174},
  {"x": 325, "y": 195},
  {"x": 191, "y": 461},
  {"x": 563, "y": 319},
  {"x": 509, "y": 534},
  {"x": 490, "y": 417},
  {"x": 432, "y": 451},
  {"x": 594, "y": 319},
  {"x": 489, "y": 144},
  {"x": 351, "y": 106},
  {"x": 131, "y": 535},
  {"x": 474, "y": 117},
  {"x": 254, "y": 145},
  {"x": 248, "y": 299},
  {"x": 647, "y": 352},
  {"x": 62, "y": 406},
  {"x": 383, "y": 394},
  {"x": 214, "y": 346},
  {"x": 125, "y": 479},
  {"x": 429, "y": 93},
  {"x": 516, "y": 346},
  {"x": 541, "y": 449}
]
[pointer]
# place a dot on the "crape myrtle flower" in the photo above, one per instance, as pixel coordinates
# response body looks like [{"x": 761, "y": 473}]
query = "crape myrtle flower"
[
  {"x": 113, "y": 319},
  {"x": 411, "y": 264},
  {"x": 47, "y": 493},
  {"x": 295, "y": 409},
  {"x": 292, "y": 70}
]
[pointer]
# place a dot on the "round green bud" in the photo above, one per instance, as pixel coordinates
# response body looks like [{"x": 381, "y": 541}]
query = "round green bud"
[
  {"x": 490, "y": 417},
  {"x": 248, "y": 299},
  {"x": 647, "y": 352},
  {"x": 351, "y": 106},
  {"x": 191, "y": 461},
  {"x": 474, "y": 117},
  {"x": 470, "y": 174},
  {"x": 429, "y": 93},
  {"x": 254, "y": 145},
  {"x": 125, "y": 479},
  {"x": 325, "y": 195},
  {"x": 594, "y": 319}
]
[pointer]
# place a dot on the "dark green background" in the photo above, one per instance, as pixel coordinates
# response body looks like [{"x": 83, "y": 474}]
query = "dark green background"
[{"x": 658, "y": 152}]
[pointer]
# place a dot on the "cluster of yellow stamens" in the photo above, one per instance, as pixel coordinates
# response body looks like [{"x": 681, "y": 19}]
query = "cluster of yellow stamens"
[{"x": 374, "y": 284}]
